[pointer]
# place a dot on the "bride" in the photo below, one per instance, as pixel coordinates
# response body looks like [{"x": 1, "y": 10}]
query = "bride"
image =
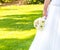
[{"x": 49, "y": 38}]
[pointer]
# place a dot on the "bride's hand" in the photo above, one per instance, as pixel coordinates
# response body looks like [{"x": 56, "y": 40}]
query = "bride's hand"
[{"x": 45, "y": 13}]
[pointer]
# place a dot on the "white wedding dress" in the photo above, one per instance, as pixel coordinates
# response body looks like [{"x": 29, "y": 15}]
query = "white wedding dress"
[{"x": 49, "y": 38}]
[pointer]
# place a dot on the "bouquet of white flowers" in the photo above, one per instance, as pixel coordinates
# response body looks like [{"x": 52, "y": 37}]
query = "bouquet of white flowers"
[{"x": 39, "y": 23}]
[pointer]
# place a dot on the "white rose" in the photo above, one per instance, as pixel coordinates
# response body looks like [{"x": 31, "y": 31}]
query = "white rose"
[{"x": 39, "y": 23}]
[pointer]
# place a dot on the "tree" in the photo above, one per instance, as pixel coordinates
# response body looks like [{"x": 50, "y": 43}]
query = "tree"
[
  {"x": 35, "y": 1},
  {"x": 20, "y": 2}
]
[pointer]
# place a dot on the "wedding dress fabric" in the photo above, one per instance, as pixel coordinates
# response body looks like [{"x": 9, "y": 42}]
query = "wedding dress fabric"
[{"x": 49, "y": 38}]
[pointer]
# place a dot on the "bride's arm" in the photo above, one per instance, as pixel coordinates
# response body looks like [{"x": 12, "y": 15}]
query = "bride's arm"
[{"x": 46, "y": 3}]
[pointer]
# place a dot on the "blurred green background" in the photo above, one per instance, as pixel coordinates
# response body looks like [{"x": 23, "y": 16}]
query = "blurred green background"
[
  {"x": 16, "y": 24},
  {"x": 20, "y": 2}
]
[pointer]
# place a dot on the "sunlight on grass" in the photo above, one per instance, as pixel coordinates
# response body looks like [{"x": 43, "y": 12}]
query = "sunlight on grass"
[
  {"x": 27, "y": 16},
  {"x": 2, "y": 46},
  {"x": 16, "y": 26},
  {"x": 17, "y": 34},
  {"x": 25, "y": 9}
]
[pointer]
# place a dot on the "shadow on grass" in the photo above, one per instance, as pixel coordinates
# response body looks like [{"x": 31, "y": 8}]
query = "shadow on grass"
[
  {"x": 19, "y": 22},
  {"x": 15, "y": 44}
]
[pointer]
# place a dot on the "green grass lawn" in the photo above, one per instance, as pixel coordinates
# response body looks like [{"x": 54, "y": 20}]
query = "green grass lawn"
[{"x": 16, "y": 26}]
